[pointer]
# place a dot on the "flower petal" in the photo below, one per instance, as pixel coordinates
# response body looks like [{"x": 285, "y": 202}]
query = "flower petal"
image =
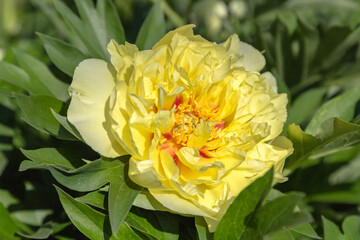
[
  {"x": 88, "y": 111},
  {"x": 253, "y": 60}
]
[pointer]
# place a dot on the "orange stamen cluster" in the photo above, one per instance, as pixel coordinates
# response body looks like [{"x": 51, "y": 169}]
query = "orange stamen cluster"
[{"x": 187, "y": 117}]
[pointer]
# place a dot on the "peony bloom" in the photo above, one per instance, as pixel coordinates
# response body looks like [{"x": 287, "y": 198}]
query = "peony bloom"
[{"x": 198, "y": 119}]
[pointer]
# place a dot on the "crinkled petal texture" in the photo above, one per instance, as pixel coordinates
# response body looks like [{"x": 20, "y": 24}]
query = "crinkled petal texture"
[{"x": 199, "y": 120}]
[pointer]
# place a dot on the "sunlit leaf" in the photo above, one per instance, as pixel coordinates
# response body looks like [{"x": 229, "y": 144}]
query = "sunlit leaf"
[
  {"x": 335, "y": 134},
  {"x": 342, "y": 106},
  {"x": 276, "y": 215},
  {"x": 63, "y": 55},
  {"x": 43, "y": 120},
  {"x": 91, "y": 223},
  {"x": 39, "y": 72},
  {"x": 51, "y": 156}
]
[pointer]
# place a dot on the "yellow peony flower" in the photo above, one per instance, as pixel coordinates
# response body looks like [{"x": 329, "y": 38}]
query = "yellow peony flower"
[{"x": 198, "y": 119}]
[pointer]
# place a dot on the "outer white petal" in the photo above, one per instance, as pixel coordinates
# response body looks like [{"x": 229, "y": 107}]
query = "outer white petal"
[
  {"x": 253, "y": 60},
  {"x": 89, "y": 108},
  {"x": 271, "y": 79}
]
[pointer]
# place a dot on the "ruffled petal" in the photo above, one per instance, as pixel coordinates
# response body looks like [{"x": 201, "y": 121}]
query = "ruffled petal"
[{"x": 88, "y": 111}]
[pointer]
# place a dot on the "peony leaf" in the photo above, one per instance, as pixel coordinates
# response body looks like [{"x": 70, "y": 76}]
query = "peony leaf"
[
  {"x": 50, "y": 156},
  {"x": 122, "y": 193},
  {"x": 114, "y": 29},
  {"x": 336, "y": 135},
  {"x": 351, "y": 227},
  {"x": 97, "y": 199},
  {"x": 63, "y": 55},
  {"x": 202, "y": 228},
  {"x": 90, "y": 176},
  {"x": 96, "y": 174},
  {"x": 41, "y": 233},
  {"x": 39, "y": 72},
  {"x": 343, "y": 197},
  {"x": 18, "y": 77},
  {"x": 331, "y": 231},
  {"x": 153, "y": 28},
  {"x": 84, "y": 33},
  {"x": 43, "y": 120},
  {"x": 32, "y": 217},
  {"x": 304, "y": 105},
  {"x": 95, "y": 26},
  {"x": 276, "y": 215},
  {"x": 283, "y": 235},
  {"x": 8, "y": 226},
  {"x": 235, "y": 220},
  {"x": 67, "y": 125},
  {"x": 306, "y": 230},
  {"x": 91, "y": 223},
  {"x": 342, "y": 106},
  {"x": 347, "y": 173},
  {"x": 156, "y": 225}
]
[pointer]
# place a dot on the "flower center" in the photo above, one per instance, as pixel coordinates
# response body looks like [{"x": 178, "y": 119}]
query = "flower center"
[{"x": 187, "y": 117}]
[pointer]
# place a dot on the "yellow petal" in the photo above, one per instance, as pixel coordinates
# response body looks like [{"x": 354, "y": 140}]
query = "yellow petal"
[
  {"x": 173, "y": 201},
  {"x": 143, "y": 174},
  {"x": 200, "y": 135},
  {"x": 88, "y": 111},
  {"x": 272, "y": 80},
  {"x": 253, "y": 60}
]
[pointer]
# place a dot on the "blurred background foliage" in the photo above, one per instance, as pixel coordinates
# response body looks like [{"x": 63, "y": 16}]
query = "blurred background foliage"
[{"x": 311, "y": 46}]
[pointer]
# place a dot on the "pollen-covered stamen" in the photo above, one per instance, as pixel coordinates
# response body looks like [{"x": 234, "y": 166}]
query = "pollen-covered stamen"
[
  {"x": 188, "y": 116},
  {"x": 185, "y": 123}
]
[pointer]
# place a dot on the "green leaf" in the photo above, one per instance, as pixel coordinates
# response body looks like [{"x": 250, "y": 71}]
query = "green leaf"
[
  {"x": 276, "y": 215},
  {"x": 235, "y": 220},
  {"x": 202, "y": 228},
  {"x": 63, "y": 55},
  {"x": 91, "y": 223},
  {"x": 96, "y": 174},
  {"x": 342, "y": 106},
  {"x": 85, "y": 35},
  {"x": 153, "y": 28},
  {"x": 7, "y": 199},
  {"x": 15, "y": 75},
  {"x": 50, "y": 156},
  {"x": 347, "y": 173},
  {"x": 43, "y": 120},
  {"x": 122, "y": 193},
  {"x": 3, "y": 162},
  {"x": 331, "y": 231},
  {"x": 97, "y": 199},
  {"x": 114, "y": 29},
  {"x": 343, "y": 197},
  {"x": 39, "y": 72},
  {"x": 284, "y": 235},
  {"x": 41, "y": 233},
  {"x": 336, "y": 135},
  {"x": 304, "y": 105},
  {"x": 306, "y": 230},
  {"x": 32, "y": 217},
  {"x": 351, "y": 227},
  {"x": 154, "y": 224},
  {"x": 88, "y": 177},
  {"x": 308, "y": 46},
  {"x": 92, "y": 24},
  {"x": 96, "y": 27},
  {"x": 67, "y": 125},
  {"x": 8, "y": 227}
]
